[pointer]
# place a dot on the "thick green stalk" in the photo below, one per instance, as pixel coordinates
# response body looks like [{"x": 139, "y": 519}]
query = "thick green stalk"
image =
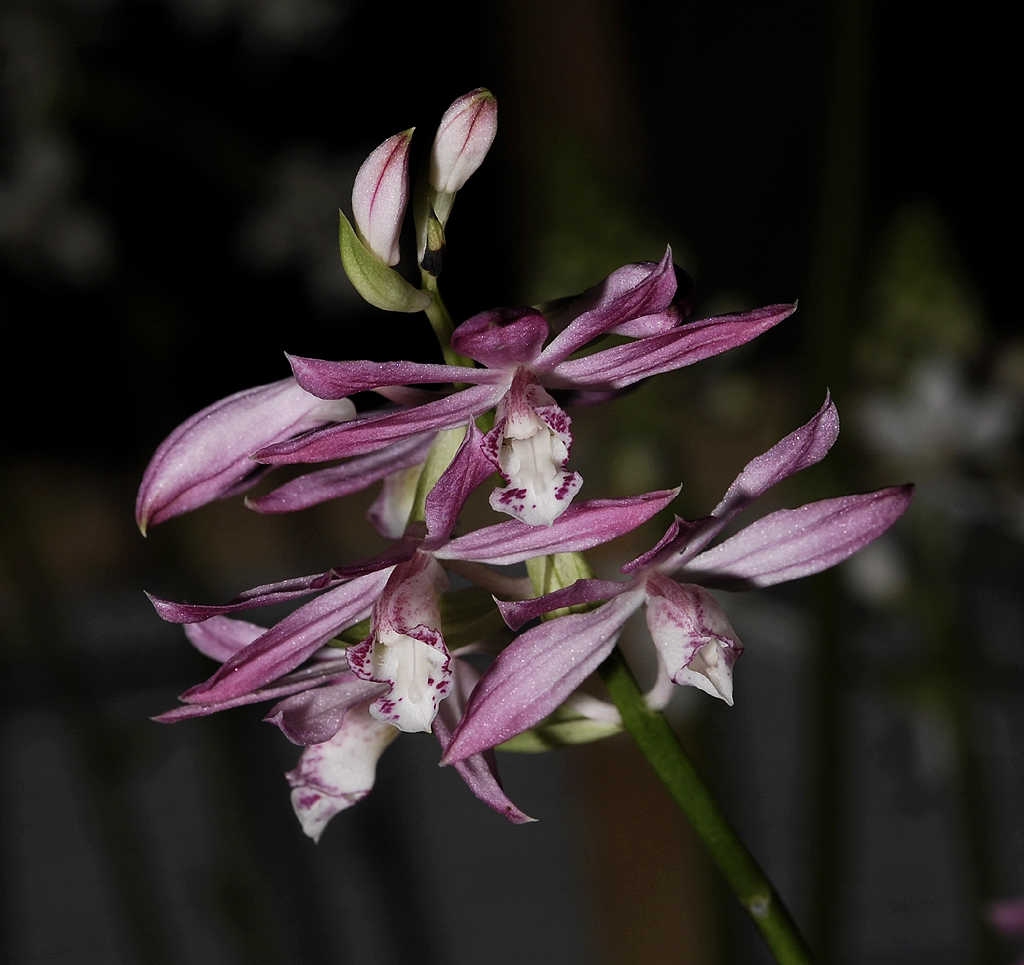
[{"x": 660, "y": 745}]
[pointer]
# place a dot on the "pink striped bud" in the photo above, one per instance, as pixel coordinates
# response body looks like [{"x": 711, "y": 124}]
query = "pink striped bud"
[
  {"x": 463, "y": 139},
  {"x": 379, "y": 197}
]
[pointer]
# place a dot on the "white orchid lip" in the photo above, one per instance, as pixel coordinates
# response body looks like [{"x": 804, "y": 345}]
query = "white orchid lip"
[
  {"x": 405, "y": 649},
  {"x": 530, "y": 445}
]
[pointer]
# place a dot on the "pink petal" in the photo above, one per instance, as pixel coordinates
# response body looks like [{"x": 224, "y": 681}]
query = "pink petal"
[
  {"x": 627, "y": 293},
  {"x": 221, "y": 637},
  {"x": 792, "y": 543},
  {"x": 582, "y": 526},
  {"x": 350, "y": 477},
  {"x": 618, "y": 367},
  {"x": 376, "y": 432},
  {"x": 800, "y": 449},
  {"x": 290, "y": 642},
  {"x": 258, "y": 596},
  {"x": 316, "y": 715},
  {"x": 517, "y": 613},
  {"x": 207, "y": 456},
  {"x": 502, "y": 338},
  {"x": 536, "y": 673},
  {"x": 479, "y": 771},
  {"x": 335, "y": 380},
  {"x": 467, "y": 470}
]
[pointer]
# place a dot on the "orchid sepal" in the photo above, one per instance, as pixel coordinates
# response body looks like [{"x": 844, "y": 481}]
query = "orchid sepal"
[{"x": 207, "y": 457}]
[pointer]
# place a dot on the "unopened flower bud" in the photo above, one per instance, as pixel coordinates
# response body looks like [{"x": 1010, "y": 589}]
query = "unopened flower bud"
[
  {"x": 463, "y": 139},
  {"x": 379, "y": 197}
]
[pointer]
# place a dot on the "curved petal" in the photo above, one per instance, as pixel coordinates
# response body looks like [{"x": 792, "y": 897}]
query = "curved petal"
[
  {"x": 616, "y": 368},
  {"x": 628, "y": 293},
  {"x": 792, "y": 543},
  {"x": 800, "y": 449},
  {"x": 353, "y": 476},
  {"x": 479, "y": 771},
  {"x": 334, "y": 775},
  {"x": 502, "y": 338},
  {"x": 258, "y": 596},
  {"x": 221, "y": 637},
  {"x": 287, "y": 644},
  {"x": 376, "y": 432},
  {"x": 582, "y": 526},
  {"x": 517, "y": 613},
  {"x": 314, "y": 716},
  {"x": 207, "y": 456},
  {"x": 444, "y": 502},
  {"x": 335, "y": 380},
  {"x": 536, "y": 672}
]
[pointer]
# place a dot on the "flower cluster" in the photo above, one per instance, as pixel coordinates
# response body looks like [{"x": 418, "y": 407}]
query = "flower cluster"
[{"x": 386, "y": 645}]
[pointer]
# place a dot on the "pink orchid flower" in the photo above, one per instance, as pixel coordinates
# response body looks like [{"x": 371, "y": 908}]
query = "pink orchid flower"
[{"x": 695, "y": 642}]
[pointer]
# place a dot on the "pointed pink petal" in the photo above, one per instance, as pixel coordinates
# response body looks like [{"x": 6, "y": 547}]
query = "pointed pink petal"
[
  {"x": 207, "y": 456},
  {"x": 792, "y": 543},
  {"x": 467, "y": 470},
  {"x": 336, "y": 380},
  {"x": 291, "y": 684},
  {"x": 480, "y": 771},
  {"x": 316, "y": 715},
  {"x": 287, "y": 644},
  {"x": 536, "y": 673},
  {"x": 376, "y": 432},
  {"x": 582, "y": 526},
  {"x": 258, "y": 596},
  {"x": 517, "y": 613},
  {"x": 221, "y": 637},
  {"x": 627, "y": 293},
  {"x": 350, "y": 477},
  {"x": 800, "y": 449},
  {"x": 338, "y": 773},
  {"x": 616, "y": 368},
  {"x": 502, "y": 338}
]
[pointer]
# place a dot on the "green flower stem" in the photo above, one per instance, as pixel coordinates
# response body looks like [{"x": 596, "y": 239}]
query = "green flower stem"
[
  {"x": 660, "y": 745},
  {"x": 441, "y": 322}
]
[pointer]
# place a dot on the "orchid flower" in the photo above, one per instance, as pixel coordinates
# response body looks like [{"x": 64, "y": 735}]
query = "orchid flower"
[
  {"x": 530, "y": 441},
  {"x": 401, "y": 671},
  {"x": 327, "y": 711},
  {"x": 695, "y": 642}
]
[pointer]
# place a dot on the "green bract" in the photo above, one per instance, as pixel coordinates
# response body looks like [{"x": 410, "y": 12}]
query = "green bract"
[{"x": 381, "y": 286}]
